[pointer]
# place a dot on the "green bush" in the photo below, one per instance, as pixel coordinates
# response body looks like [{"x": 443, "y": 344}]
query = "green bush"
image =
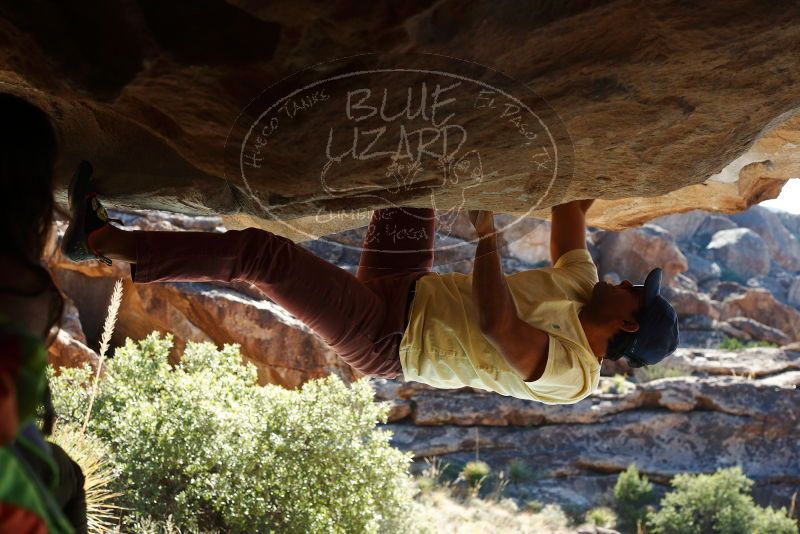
[
  {"x": 602, "y": 517},
  {"x": 474, "y": 473},
  {"x": 204, "y": 446},
  {"x": 716, "y": 504},
  {"x": 617, "y": 385},
  {"x": 519, "y": 471},
  {"x": 655, "y": 372},
  {"x": 632, "y": 496},
  {"x": 732, "y": 343}
]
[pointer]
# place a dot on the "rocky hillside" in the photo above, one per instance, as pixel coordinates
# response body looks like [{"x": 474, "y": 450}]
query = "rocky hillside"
[
  {"x": 729, "y": 276},
  {"x": 726, "y": 409}
]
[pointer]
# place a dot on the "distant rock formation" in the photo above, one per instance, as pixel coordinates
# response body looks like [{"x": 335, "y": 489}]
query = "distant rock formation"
[{"x": 731, "y": 408}]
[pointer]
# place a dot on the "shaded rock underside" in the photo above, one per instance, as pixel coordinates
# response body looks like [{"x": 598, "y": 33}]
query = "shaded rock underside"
[{"x": 677, "y": 106}]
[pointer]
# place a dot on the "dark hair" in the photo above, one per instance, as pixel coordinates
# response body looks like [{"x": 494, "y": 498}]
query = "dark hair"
[{"x": 28, "y": 151}]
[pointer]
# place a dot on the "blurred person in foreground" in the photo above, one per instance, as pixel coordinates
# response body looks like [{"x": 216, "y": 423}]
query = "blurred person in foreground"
[{"x": 41, "y": 488}]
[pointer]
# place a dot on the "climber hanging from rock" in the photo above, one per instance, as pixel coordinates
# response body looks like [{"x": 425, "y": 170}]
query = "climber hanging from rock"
[{"x": 539, "y": 334}]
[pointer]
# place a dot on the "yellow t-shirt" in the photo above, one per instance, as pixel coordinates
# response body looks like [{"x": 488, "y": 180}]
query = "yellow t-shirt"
[{"x": 444, "y": 347}]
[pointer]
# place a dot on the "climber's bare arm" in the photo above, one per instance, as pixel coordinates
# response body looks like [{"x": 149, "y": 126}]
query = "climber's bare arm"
[
  {"x": 523, "y": 346},
  {"x": 568, "y": 230}
]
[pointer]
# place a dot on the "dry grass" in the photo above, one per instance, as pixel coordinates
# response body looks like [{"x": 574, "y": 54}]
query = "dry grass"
[
  {"x": 105, "y": 339},
  {"x": 440, "y": 513},
  {"x": 102, "y": 514}
]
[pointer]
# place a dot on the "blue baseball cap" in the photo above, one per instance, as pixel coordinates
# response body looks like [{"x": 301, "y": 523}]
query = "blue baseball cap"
[{"x": 658, "y": 335}]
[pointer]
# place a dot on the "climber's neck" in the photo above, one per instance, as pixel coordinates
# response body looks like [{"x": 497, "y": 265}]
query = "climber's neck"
[{"x": 598, "y": 333}]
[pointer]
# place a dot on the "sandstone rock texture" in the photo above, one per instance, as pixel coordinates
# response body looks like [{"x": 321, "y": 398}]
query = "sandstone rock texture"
[
  {"x": 715, "y": 416},
  {"x": 667, "y": 108}
]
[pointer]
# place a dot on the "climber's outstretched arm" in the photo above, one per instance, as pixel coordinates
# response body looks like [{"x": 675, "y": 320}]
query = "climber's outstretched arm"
[
  {"x": 568, "y": 230},
  {"x": 522, "y": 345}
]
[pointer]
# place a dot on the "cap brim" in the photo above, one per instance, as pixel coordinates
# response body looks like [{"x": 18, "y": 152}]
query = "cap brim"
[{"x": 652, "y": 285}]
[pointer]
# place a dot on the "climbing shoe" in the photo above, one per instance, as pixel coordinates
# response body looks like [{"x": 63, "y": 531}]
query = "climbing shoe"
[{"x": 87, "y": 216}]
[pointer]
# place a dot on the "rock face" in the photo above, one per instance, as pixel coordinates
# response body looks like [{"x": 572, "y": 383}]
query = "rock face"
[
  {"x": 793, "y": 295},
  {"x": 746, "y": 328},
  {"x": 69, "y": 348},
  {"x": 676, "y": 107},
  {"x": 700, "y": 422},
  {"x": 760, "y": 305},
  {"x": 783, "y": 246},
  {"x": 741, "y": 251},
  {"x": 633, "y": 253}
]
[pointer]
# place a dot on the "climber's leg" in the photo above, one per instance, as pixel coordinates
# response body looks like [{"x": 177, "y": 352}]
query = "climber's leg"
[
  {"x": 342, "y": 310},
  {"x": 398, "y": 240},
  {"x": 397, "y": 251}
]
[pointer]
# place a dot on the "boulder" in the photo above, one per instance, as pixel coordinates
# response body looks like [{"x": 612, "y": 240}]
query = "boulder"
[
  {"x": 633, "y": 253},
  {"x": 789, "y": 220},
  {"x": 700, "y": 339},
  {"x": 727, "y": 394},
  {"x": 701, "y": 269},
  {"x": 694, "y": 423},
  {"x": 783, "y": 247},
  {"x": 724, "y": 289},
  {"x": 731, "y": 395},
  {"x": 757, "y": 362},
  {"x": 682, "y": 226},
  {"x": 71, "y": 321},
  {"x": 710, "y": 226},
  {"x": 778, "y": 282},
  {"x": 68, "y": 351},
  {"x": 153, "y": 111},
  {"x": 759, "y": 304},
  {"x": 793, "y": 296},
  {"x": 741, "y": 252},
  {"x": 758, "y": 331},
  {"x": 661, "y": 442},
  {"x": 695, "y": 322},
  {"x": 527, "y": 240},
  {"x": 688, "y": 303},
  {"x": 685, "y": 283},
  {"x": 69, "y": 348}
]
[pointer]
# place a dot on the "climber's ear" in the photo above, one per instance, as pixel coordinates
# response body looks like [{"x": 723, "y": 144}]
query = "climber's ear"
[{"x": 628, "y": 325}]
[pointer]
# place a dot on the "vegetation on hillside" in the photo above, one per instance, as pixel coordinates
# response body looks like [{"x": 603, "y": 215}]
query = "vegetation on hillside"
[
  {"x": 200, "y": 447},
  {"x": 203, "y": 444}
]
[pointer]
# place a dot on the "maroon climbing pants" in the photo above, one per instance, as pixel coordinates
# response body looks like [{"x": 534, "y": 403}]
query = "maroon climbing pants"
[{"x": 361, "y": 317}]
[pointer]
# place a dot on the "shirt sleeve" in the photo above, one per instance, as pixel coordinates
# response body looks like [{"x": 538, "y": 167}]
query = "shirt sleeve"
[
  {"x": 567, "y": 377},
  {"x": 577, "y": 265}
]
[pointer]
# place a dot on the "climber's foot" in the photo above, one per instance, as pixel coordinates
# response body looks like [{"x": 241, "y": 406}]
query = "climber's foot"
[{"x": 87, "y": 218}]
